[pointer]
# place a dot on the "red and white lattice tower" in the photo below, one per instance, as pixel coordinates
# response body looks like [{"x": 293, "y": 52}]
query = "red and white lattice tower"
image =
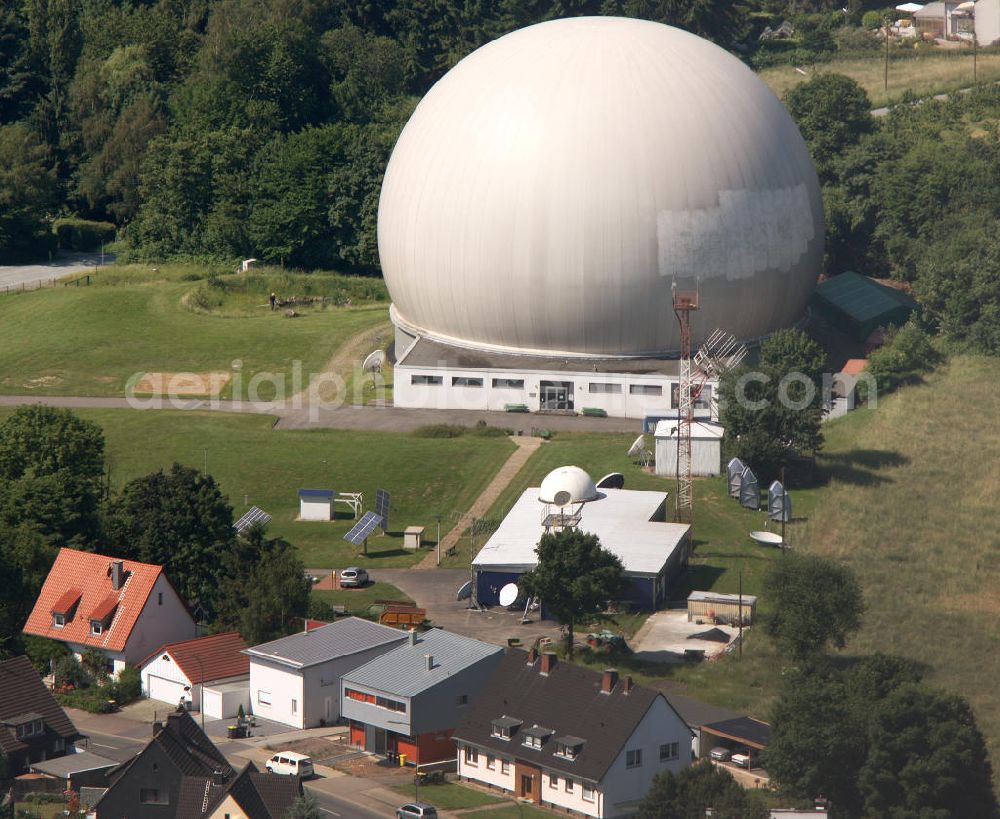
[{"x": 718, "y": 353}]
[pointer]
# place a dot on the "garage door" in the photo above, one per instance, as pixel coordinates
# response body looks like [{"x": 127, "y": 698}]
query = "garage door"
[{"x": 165, "y": 690}]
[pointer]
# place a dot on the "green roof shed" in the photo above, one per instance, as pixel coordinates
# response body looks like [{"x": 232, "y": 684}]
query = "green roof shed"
[{"x": 858, "y": 305}]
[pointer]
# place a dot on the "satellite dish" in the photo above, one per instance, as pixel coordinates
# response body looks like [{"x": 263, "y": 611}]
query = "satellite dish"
[
  {"x": 508, "y": 594},
  {"x": 562, "y": 498},
  {"x": 637, "y": 447},
  {"x": 613, "y": 480},
  {"x": 373, "y": 361},
  {"x": 464, "y": 592}
]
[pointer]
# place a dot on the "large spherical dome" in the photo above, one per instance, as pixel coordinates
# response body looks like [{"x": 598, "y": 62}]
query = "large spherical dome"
[
  {"x": 548, "y": 190},
  {"x": 566, "y": 485}
]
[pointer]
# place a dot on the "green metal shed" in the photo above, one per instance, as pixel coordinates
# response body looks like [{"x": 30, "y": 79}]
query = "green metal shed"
[{"x": 858, "y": 305}]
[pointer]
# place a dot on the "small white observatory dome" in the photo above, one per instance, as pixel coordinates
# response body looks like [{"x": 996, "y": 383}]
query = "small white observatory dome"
[
  {"x": 566, "y": 485},
  {"x": 550, "y": 187}
]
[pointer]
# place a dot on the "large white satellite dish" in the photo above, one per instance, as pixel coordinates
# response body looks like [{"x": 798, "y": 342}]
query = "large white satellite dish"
[
  {"x": 613, "y": 480},
  {"x": 637, "y": 448},
  {"x": 508, "y": 594},
  {"x": 373, "y": 361}
]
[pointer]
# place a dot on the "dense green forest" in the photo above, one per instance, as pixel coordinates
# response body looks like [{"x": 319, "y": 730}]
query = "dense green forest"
[{"x": 223, "y": 129}]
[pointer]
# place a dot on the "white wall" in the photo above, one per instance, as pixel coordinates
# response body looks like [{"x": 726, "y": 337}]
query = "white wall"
[
  {"x": 987, "y": 21},
  {"x": 164, "y": 619},
  {"x": 314, "y": 510},
  {"x": 571, "y": 800},
  {"x": 481, "y": 771},
  {"x": 158, "y": 667},
  {"x": 225, "y": 703},
  {"x": 282, "y": 685},
  {"x": 706, "y": 456},
  {"x": 621, "y": 404},
  {"x": 115, "y": 656},
  {"x": 624, "y": 787},
  {"x": 323, "y": 680}
]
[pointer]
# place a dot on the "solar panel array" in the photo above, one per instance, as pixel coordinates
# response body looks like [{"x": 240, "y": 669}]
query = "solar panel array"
[
  {"x": 363, "y": 528},
  {"x": 382, "y": 507},
  {"x": 254, "y": 515}
]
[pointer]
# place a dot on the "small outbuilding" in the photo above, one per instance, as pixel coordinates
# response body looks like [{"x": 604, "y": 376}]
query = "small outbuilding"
[
  {"x": 741, "y": 735},
  {"x": 857, "y": 305},
  {"x": 316, "y": 504},
  {"x": 718, "y": 607},
  {"x": 706, "y": 448}
]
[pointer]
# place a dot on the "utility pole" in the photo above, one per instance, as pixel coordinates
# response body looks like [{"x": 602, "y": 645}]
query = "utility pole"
[
  {"x": 885, "y": 81},
  {"x": 740, "y": 615}
]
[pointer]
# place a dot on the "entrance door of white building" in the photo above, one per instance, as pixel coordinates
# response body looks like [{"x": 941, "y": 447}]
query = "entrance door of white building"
[{"x": 555, "y": 395}]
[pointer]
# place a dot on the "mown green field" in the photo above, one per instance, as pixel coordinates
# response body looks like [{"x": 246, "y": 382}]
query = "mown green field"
[
  {"x": 934, "y": 72},
  {"x": 91, "y": 340},
  {"x": 258, "y": 465}
]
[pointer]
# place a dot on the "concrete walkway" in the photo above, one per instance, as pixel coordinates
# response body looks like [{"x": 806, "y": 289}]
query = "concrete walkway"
[
  {"x": 526, "y": 447},
  {"x": 380, "y": 419}
]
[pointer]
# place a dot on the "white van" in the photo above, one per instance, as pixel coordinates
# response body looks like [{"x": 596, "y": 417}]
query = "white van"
[{"x": 290, "y": 763}]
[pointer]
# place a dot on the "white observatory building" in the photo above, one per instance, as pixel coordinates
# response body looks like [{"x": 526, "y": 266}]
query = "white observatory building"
[
  {"x": 631, "y": 524},
  {"x": 550, "y": 188}
]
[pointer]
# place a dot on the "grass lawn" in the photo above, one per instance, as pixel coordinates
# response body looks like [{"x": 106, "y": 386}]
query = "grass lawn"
[
  {"x": 509, "y": 811},
  {"x": 91, "y": 340},
  {"x": 358, "y": 601},
  {"x": 932, "y": 73},
  {"x": 256, "y": 464},
  {"x": 449, "y": 796}
]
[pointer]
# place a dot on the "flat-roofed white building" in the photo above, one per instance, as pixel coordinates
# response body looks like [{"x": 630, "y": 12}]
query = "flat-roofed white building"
[
  {"x": 706, "y": 448},
  {"x": 631, "y": 524}
]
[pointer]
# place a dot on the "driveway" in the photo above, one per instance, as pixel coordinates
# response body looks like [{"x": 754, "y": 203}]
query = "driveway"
[
  {"x": 435, "y": 591},
  {"x": 27, "y": 276},
  {"x": 666, "y": 635}
]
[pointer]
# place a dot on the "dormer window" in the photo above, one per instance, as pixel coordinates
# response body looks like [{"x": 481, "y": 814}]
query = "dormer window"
[
  {"x": 535, "y": 736},
  {"x": 65, "y": 606},
  {"x": 505, "y": 727},
  {"x": 27, "y": 725},
  {"x": 100, "y": 617},
  {"x": 568, "y": 747},
  {"x": 96, "y": 627},
  {"x": 58, "y": 620}
]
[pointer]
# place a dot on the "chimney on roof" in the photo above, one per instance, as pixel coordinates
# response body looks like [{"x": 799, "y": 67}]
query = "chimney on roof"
[
  {"x": 627, "y": 685},
  {"x": 306, "y": 621},
  {"x": 532, "y": 656},
  {"x": 413, "y": 636},
  {"x": 548, "y": 663},
  {"x": 117, "y": 574},
  {"x": 430, "y": 661},
  {"x": 609, "y": 680},
  {"x": 157, "y": 727},
  {"x": 174, "y": 722},
  {"x": 218, "y": 777}
]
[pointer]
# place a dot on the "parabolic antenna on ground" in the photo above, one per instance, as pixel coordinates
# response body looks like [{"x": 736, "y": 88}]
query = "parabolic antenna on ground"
[
  {"x": 373, "y": 361},
  {"x": 508, "y": 594},
  {"x": 637, "y": 447},
  {"x": 465, "y": 591},
  {"x": 766, "y": 538}
]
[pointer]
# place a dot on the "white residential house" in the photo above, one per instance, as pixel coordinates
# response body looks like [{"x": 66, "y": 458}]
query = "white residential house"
[
  {"x": 566, "y": 737},
  {"x": 296, "y": 680},
  {"x": 121, "y": 608}
]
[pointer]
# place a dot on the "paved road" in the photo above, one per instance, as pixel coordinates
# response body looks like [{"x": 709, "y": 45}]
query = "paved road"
[
  {"x": 29, "y": 275},
  {"x": 382, "y": 419}
]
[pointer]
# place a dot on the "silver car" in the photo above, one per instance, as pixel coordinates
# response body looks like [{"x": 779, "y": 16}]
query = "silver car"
[
  {"x": 353, "y": 578},
  {"x": 720, "y": 754},
  {"x": 416, "y": 810}
]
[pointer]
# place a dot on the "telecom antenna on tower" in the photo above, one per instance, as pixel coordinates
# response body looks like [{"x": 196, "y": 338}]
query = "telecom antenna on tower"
[{"x": 718, "y": 353}]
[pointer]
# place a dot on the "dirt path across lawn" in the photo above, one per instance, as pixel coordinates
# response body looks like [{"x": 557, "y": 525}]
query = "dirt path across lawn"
[
  {"x": 349, "y": 353},
  {"x": 526, "y": 447}
]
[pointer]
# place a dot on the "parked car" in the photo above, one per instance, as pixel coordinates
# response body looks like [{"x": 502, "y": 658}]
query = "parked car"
[
  {"x": 290, "y": 763},
  {"x": 720, "y": 754},
  {"x": 740, "y": 759},
  {"x": 416, "y": 810},
  {"x": 353, "y": 577}
]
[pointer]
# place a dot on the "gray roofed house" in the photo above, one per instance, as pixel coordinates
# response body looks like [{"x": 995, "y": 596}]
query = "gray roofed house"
[
  {"x": 564, "y": 736},
  {"x": 296, "y": 680},
  {"x": 408, "y": 700}
]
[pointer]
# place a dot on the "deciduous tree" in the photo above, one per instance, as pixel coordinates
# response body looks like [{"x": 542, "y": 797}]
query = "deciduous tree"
[
  {"x": 575, "y": 577},
  {"x": 814, "y": 602},
  {"x": 687, "y": 794}
]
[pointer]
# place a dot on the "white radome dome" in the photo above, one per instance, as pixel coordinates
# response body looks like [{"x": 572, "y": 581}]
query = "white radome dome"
[
  {"x": 566, "y": 485},
  {"x": 548, "y": 189}
]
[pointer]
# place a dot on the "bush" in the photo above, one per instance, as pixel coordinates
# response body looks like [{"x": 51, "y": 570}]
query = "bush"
[
  {"x": 127, "y": 688},
  {"x": 82, "y": 234},
  {"x": 42, "y": 652},
  {"x": 321, "y": 610},
  {"x": 69, "y": 671},
  {"x": 906, "y": 354},
  {"x": 92, "y": 700},
  {"x": 871, "y": 20}
]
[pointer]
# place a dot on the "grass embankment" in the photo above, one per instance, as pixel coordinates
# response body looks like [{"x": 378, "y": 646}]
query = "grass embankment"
[
  {"x": 183, "y": 318},
  {"x": 450, "y": 796},
  {"x": 358, "y": 601},
  {"x": 934, "y": 72},
  {"x": 266, "y": 467}
]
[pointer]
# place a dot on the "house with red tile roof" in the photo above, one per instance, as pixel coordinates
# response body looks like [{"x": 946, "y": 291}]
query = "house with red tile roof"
[
  {"x": 122, "y": 608},
  {"x": 212, "y": 669}
]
